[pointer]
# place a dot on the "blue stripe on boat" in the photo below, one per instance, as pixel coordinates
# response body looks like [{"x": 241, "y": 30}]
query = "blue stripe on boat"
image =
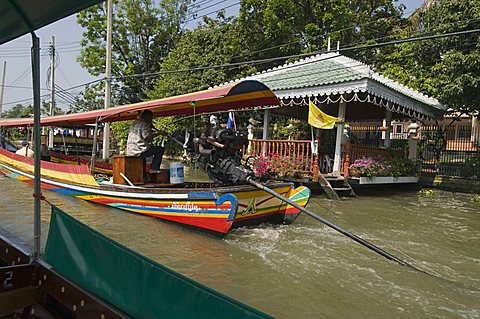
[
  {"x": 169, "y": 210},
  {"x": 202, "y": 195}
]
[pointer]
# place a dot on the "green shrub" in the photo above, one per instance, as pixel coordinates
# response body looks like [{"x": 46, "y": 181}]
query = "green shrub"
[
  {"x": 472, "y": 167},
  {"x": 402, "y": 167}
]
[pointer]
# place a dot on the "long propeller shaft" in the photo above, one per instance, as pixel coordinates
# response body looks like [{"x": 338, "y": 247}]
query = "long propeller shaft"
[{"x": 332, "y": 225}]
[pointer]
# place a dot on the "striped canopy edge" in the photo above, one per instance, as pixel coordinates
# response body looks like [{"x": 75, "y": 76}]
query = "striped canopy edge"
[{"x": 238, "y": 95}]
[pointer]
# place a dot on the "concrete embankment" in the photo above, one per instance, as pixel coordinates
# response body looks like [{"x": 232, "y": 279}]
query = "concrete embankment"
[{"x": 454, "y": 184}]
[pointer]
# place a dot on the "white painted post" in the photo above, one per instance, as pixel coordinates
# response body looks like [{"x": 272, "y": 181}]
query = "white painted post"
[
  {"x": 412, "y": 141},
  {"x": 108, "y": 80},
  {"x": 266, "y": 124},
  {"x": 337, "y": 161},
  {"x": 388, "y": 124},
  {"x": 475, "y": 136},
  {"x": 250, "y": 129}
]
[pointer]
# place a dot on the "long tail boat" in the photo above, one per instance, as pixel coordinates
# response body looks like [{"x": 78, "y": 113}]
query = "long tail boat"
[{"x": 212, "y": 209}]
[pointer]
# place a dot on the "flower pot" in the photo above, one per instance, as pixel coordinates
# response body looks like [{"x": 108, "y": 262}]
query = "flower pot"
[{"x": 353, "y": 173}]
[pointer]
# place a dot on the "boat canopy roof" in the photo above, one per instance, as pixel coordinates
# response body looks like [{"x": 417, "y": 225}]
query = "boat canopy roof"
[{"x": 239, "y": 95}]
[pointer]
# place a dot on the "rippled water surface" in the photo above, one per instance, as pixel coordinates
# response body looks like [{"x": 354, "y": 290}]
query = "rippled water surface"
[{"x": 307, "y": 270}]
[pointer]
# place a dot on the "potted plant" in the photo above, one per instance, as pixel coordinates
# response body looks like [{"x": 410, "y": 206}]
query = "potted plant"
[
  {"x": 369, "y": 167},
  {"x": 278, "y": 166}
]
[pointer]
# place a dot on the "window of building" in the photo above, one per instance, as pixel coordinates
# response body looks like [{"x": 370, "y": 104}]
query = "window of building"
[
  {"x": 399, "y": 128},
  {"x": 464, "y": 132}
]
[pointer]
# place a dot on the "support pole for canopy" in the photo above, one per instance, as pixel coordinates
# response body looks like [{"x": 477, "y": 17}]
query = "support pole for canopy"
[
  {"x": 36, "y": 125},
  {"x": 108, "y": 80},
  {"x": 94, "y": 148},
  {"x": 342, "y": 107},
  {"x": 266, "y": 124},
  {"x": 388, "y": 124}
]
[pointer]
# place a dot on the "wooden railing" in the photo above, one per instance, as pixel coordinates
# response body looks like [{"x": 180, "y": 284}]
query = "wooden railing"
[
  {"x": 302, "y": 149},
  {"x": 352, "y": 152},
  {"x": 292, "y": 148}
]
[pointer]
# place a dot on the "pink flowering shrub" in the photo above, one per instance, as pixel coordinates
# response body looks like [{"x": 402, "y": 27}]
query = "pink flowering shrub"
[
  {"x": 274, "y": 165},
  {"x": 370, "y": 168}
]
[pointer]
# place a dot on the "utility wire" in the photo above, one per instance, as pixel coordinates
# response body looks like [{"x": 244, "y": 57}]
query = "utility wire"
[
  {"x": 206, "y": 14},
  {"x": 197, "y": 4},
  {"x": 261, "y": 61},
  {"x": 267, "y": 60},
  {"x": 207, "y": 7},
  {"x": 361, "y": 42},
  {"x": 46, "y": 95}
]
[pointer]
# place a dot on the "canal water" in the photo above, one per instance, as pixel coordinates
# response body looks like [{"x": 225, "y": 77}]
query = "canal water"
[{"x": 307, "y": 270}]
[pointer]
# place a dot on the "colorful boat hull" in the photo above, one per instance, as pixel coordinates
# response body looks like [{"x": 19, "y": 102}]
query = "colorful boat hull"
[{"x": 213, "y": 210}]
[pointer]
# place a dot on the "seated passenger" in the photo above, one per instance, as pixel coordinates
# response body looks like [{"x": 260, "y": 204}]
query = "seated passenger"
[
  {"x": 140, "y": 137},
  {"x": 25, "y": 150}
]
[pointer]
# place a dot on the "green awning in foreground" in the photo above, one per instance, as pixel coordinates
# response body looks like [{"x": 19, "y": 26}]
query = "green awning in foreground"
[
  {"x": 133, "y": 283},
  {"x": 19, "y": 17}
]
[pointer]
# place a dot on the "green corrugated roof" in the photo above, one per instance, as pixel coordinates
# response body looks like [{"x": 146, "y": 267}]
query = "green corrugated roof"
[
  {"x": 311, "y": 73},
  {"x": 333, "y": 73}
]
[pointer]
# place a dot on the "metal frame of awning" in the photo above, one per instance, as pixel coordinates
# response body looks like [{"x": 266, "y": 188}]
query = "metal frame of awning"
[{"x": 20, "y": 17}]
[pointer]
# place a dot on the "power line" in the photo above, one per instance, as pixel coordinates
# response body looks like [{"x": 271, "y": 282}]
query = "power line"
[
  {"x": 21, "y": 87},
  {"x": 193, "y": 13},
  {"x": 206, "y": 14},
  {"x": 430, "y": 37},
  {"x": 24, "y": 74},
  {"x": 267, "y": 60},
  {"x": 261, "y": 61},
  {"x": 67, "y": 95},
  {"x": 46, "y": 95},
  {"x": 354, "y": 26},
  {"x": 212, "y": 5},
  {"x": 194, "y": 5}
]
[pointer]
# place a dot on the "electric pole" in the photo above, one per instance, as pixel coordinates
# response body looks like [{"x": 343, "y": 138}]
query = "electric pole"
[
  {"x": 3, "y": 87},
  {"x": 52, "y": 90}
]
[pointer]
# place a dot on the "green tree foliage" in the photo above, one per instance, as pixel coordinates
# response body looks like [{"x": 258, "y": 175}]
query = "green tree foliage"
[
  {"x": 144, "y": 31},
  {"x": 446, "y": 68},
  {"x": 284, "y": 27},
  {"x": 214, "y": 42},
  {"x": 120, "y": 133},
  {"x": 24, "y": 111},
  {"x": 18, "y": 111},
  {"x": 455, "y": 61},
  {"x": 92, "y": 98}
]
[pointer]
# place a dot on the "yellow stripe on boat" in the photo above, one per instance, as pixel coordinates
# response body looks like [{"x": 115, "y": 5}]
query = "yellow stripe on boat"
[{"x": 75, "y": 176}]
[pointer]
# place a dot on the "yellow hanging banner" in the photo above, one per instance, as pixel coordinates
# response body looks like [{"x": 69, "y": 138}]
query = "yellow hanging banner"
[{"x": 319, "y": 119}]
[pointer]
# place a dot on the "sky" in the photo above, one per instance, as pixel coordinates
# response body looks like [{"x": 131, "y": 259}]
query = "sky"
[{"x": 68, "y": 73}]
